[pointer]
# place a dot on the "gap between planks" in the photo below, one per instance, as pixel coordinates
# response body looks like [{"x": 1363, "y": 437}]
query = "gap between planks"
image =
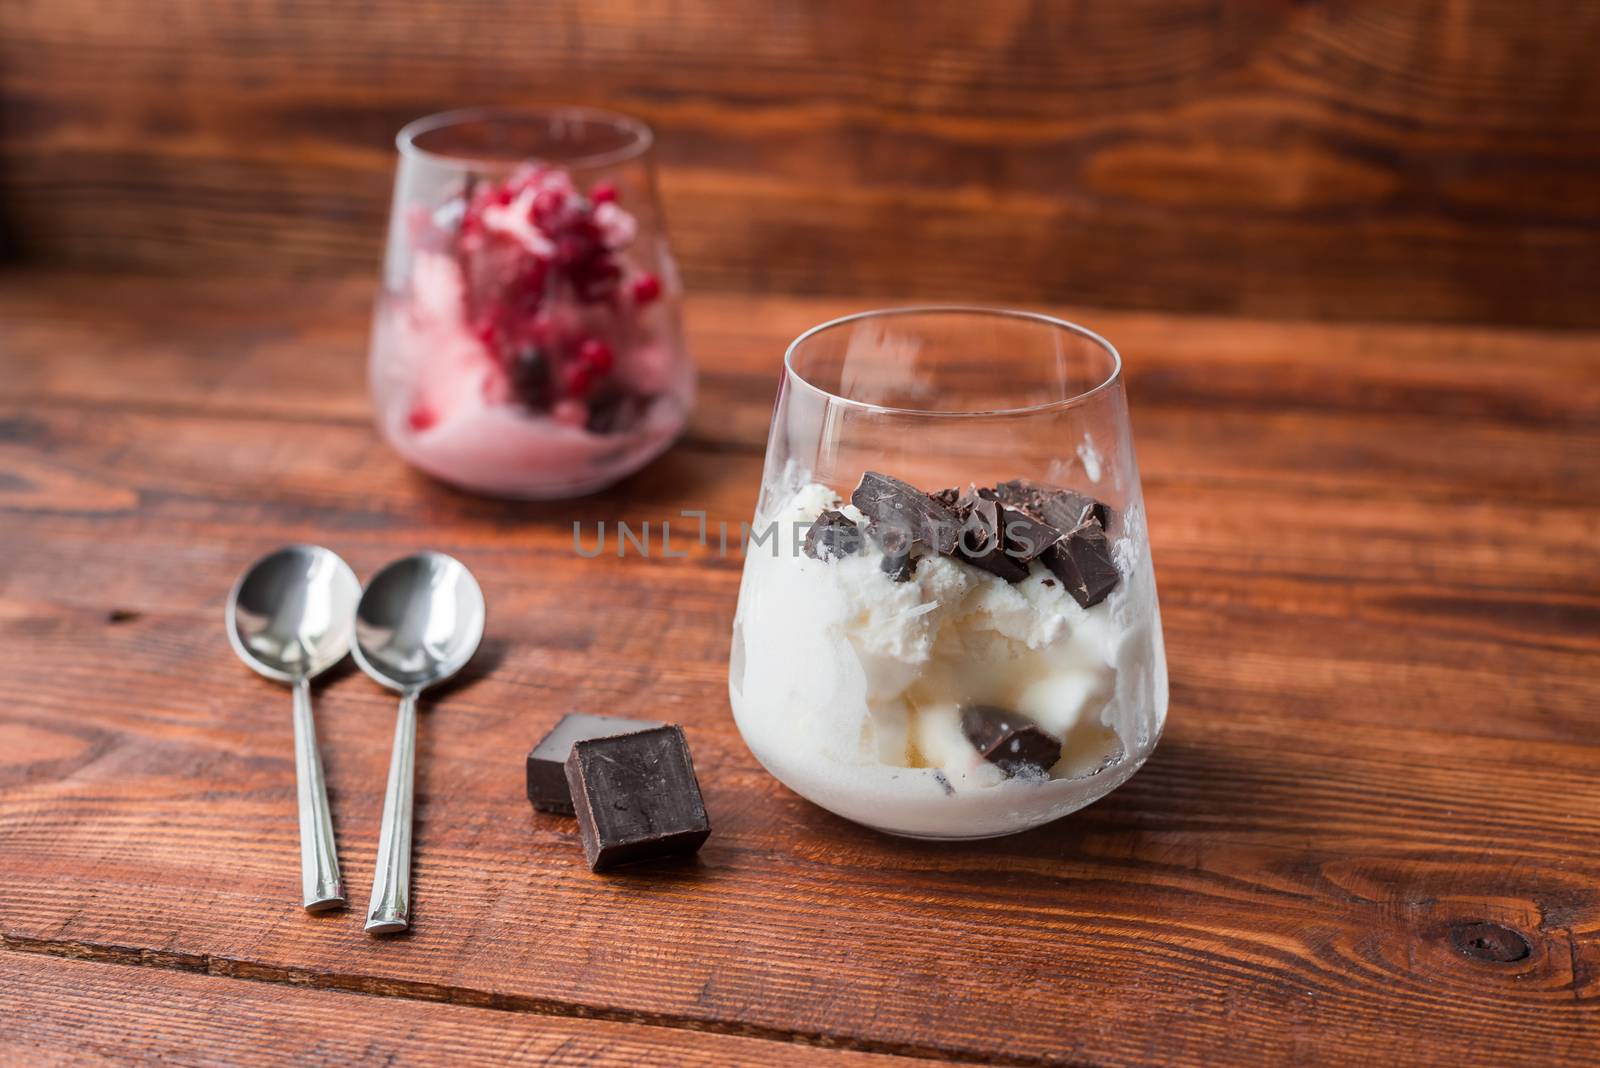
[{"x": 411, "y": 990}]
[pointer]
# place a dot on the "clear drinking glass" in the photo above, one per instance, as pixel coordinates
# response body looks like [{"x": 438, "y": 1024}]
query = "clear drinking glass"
[
  {"x": 945, "y": 687},
  {"x": 527, "y": 339}
]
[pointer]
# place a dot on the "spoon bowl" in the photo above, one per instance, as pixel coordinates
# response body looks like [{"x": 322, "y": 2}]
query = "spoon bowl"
[
  {"x": 290, "y": 618},
  {"x": 291, "y": 613},
  {"x": 419, "y": 621}
]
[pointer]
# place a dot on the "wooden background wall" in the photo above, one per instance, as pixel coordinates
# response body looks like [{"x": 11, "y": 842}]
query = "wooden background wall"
[{"x": 1412, "y": 159}]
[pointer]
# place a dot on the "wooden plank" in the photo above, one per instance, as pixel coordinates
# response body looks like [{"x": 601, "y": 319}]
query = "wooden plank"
[
  {"x": 213, "y": 342},
  {"x": 82, "y": 1013},
  {"x": 1368, "y": 159}
]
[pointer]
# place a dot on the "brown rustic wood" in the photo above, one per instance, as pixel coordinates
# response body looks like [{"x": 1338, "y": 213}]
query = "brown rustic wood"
[
  {"x": 82, "y": 1014},
  {"x": 1360, "y": 159},
  {"x": 1368, "y": 833}
]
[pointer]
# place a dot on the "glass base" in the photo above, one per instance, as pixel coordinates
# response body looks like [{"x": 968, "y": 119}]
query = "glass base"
[
  {"x": 991, "y": 835},
  {"x": 505, "y": 487},
  {"x": 953, "y": 838},
  {"x": 1051, "y": 811}
]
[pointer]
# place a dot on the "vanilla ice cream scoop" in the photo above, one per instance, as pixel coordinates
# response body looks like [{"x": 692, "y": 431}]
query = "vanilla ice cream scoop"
[{"x": 854, "y": 680}]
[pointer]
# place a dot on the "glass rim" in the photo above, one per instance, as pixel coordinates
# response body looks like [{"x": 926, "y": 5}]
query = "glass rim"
[
  {"x": 1109, "y": 382},
  {"x": 643, "y": 136}
]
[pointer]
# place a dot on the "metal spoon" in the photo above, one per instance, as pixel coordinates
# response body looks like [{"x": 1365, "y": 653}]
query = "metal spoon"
[
  {"x": 419, "y": 622},
  {"x": 290, "y": 618}
]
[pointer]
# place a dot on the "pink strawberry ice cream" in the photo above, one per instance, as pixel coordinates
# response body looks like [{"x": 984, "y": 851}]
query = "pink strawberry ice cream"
[{"x": 525, "y": 356}]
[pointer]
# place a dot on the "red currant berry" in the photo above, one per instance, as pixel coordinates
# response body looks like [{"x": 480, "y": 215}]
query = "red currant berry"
[
  {"x": 646, "y": 287},
  {"x": 603, "y": 193},
  {"x": 596, "y": 355}
]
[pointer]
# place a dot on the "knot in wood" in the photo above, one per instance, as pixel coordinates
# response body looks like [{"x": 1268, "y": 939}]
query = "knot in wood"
[{"x": 1490, "y": 941}]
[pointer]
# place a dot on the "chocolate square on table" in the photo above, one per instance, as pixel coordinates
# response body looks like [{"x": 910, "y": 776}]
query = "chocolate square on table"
[
  {"x": 547, "y": 771},
  {"x": 636, "y": 797}
]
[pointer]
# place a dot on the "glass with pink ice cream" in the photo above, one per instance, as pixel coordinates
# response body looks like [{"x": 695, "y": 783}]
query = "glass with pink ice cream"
[{"x": 527, "y": 340}]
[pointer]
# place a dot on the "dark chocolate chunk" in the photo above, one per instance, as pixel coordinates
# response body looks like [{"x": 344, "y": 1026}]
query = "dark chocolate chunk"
[
  {"x": 547, "y": 773},
  {"x": 1082, "y": 561},
  {"x": 1067, "y": 509},
  {"x": 900, "y": 504},
  {"x": 530, "y": 373},
  {"x": 1021, "y": 539},
  {"x": 636, "y": 797},
  {"x": 1011, "y": 741},
  {"x": 896, "y": 545},
  {"x": 1019, "y": 493},
  {"x": 832, "y": 537},
  {"x": 1026, "y": 537},
  {"x": 1079, "y": 554},
  {"x": 982, "y": 541},
  {"x": 1063, "y": 509},
  {"x": 999, "y": 529}
]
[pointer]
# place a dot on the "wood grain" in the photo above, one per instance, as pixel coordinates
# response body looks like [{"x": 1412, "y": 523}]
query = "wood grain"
[
  {"x": 1364, "y": 159},
  {"x": 86, "y": 1014},
  {"x": 1368, "y": 832}
]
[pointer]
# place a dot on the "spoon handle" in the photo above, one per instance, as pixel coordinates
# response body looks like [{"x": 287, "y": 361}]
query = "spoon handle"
[
  {"x": 320, "y": 884},
  {"x": 391, "y": 882}
]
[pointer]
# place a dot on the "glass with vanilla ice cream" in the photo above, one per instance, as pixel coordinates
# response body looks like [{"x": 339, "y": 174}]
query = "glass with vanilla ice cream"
[{"x": 947, "y": 625}]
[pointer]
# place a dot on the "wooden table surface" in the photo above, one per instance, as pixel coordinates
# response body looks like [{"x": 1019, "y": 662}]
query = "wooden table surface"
[{"x": 1372, "y": 831}]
